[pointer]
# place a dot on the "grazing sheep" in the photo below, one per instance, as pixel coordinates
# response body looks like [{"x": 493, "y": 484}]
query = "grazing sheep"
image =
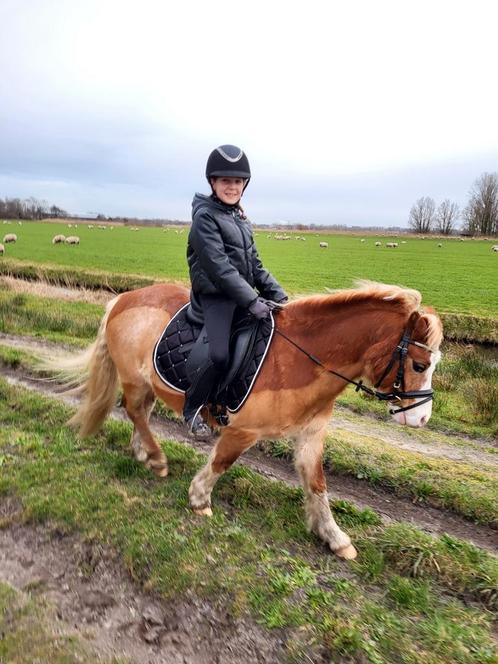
[
  {"x": 362, "y": 240},
  {"x": 378, "y": 244},
  {"x": 324, "y": 245},
  {"x": 494, "y": 248},
  {"x": 58, "y": 239},
  {"x": 2, "y": 250},
  {"x": 439, "y": 244},
  {"x": 72, "y": 239},
  {"x": 403, "y": 241},
  {"x": 391, "y": 244},
  {"x": 10, "y": 237}
]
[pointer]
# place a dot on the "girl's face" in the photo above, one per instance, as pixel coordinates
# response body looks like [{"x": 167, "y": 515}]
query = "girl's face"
[{"x": 228, "y": 190}]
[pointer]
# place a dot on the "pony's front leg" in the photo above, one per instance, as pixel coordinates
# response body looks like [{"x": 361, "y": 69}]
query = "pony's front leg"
[
  {"x": 308, "y": 461},
  {"x": 227, "y": 449}
]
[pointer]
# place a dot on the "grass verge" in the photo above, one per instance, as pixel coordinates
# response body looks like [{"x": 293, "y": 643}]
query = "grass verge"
[
  {"x": 402, "y": 600},
  {"x": 460, "y": 487},
  {"x": 454, "y": 485}
]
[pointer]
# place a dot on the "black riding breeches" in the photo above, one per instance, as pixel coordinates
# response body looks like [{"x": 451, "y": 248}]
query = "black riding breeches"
[{"x": 218, "y": 316}]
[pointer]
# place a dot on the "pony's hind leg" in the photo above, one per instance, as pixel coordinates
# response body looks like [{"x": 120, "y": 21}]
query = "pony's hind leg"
[
  {"x": 229, "y": 446},
  {"x": 139, "y": 402},
  {"x": 308, "y": 462}
]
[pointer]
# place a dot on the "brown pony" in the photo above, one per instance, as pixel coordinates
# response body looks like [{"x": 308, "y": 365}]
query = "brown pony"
[{"x": 353, "y": 332}]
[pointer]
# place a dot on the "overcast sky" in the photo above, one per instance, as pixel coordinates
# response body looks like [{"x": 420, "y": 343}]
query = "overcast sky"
[{"x": 348, "y": 112}]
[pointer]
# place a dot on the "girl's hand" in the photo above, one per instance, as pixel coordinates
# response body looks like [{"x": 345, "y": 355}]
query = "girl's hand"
[{"x": 259, "y": 308}]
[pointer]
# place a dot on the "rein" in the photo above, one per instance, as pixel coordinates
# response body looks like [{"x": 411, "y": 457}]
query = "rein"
[{"x": 400, "y": 353}]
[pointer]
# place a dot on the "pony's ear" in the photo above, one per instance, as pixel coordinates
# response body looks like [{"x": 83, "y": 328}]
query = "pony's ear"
[
  {"x": 413, "y": 322},
  {"x": 421, "y": 327}
]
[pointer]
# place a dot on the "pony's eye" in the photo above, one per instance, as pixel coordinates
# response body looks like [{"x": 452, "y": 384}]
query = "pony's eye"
[{"x": 419, "y": 368}]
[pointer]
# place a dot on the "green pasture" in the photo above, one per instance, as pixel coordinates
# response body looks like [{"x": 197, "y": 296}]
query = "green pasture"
[
  {"x": 408, "y": 598},
  {"x": 459, "y": 277}
]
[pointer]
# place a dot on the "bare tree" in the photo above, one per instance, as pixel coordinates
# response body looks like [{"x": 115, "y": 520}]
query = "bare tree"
[
  {"x": 446, "y": 217},
  {"x": 422, "y": 215},
  {"x": 481, "y": 213}
]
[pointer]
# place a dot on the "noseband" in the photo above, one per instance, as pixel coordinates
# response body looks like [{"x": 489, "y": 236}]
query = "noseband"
[{"x": 398, "y": 390}]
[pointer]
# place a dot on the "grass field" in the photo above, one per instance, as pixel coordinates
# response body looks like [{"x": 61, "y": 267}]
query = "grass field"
[
  {"x": 459, "y": 277},
  {"x": 408, "y": 598}
]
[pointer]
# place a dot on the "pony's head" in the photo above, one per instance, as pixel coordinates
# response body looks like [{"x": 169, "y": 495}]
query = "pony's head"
[{"x": 401, "y": 366}]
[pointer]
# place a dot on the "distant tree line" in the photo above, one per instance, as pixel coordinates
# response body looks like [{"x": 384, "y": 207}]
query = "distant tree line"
[
  {"x": 479, "y": 217},
  {"x": 29, "y": 208}
]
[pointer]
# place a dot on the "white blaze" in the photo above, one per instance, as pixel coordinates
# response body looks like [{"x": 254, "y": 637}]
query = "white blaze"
[{"x": 420, "y": 415}]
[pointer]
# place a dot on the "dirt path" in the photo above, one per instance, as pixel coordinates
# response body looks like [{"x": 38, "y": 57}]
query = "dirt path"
[
  {"x": 359, "y": 492},
  {"x": 87, "y": 594}
]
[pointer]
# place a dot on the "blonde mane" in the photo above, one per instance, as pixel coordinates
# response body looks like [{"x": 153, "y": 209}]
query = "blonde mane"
[
  {"x": 371, "y": 293},
  {"x": 365, "y": 291}
]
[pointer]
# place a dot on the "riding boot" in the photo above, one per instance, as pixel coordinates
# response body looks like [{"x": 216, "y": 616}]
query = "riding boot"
[{"x": 197, "y": 396}]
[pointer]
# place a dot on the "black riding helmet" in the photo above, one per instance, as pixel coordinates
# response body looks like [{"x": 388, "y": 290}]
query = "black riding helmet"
[{"x": 228, "y": 161}]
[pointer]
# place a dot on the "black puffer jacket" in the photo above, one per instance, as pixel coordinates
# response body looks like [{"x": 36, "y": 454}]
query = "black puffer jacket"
[{"x": 223, "y": 258}]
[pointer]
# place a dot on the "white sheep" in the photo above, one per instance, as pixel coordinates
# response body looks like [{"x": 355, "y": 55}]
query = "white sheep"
[
  {"x": 2, "y": 250},
  {"x": 324, "y": 245},
  {"x": 10, "y": 237},
  {"x": 494, "y": 248},
  {"x": 58, "y": 238},
  {"x": 378, "y": 244},
  {"x": 391, "y": 245},
  {"x": 439, "y": 244},
  {"x": 72, "y": 239}
]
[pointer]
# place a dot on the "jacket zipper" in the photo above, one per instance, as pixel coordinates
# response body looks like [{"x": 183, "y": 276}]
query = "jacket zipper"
[{"x": 248, "y": 273}]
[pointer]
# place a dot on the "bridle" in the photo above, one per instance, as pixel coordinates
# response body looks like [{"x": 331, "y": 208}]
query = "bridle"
[{"x": 398, "y": 390}]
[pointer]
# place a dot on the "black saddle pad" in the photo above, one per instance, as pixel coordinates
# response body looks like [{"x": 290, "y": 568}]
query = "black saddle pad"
[{"x": 173, "y": 348}]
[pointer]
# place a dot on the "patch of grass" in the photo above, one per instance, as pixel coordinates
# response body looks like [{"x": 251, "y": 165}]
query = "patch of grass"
[
  {"x": 67, "y": 322},
  {"x": 254, "y": 554},
  {"x": 453, "y": 485}
]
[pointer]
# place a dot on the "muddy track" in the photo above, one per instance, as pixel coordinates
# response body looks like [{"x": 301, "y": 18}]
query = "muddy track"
[
  {"x": 359, "y": 492},
  {"x": 87, "y": 593}
]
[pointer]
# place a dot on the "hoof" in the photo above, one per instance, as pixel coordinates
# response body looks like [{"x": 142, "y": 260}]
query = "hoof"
[
  {"x": 347, "y": 552},
  {"x": 140, "y": 455},
  {"x": 204, "y": 511},
  {"x": 159, "y": 468}
]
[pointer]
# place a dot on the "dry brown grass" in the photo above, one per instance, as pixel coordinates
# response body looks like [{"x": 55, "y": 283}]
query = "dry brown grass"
[{"x": 44, "y": 289}]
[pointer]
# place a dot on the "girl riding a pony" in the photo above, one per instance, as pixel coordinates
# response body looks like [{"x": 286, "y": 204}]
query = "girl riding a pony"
[{"x": 225, "y": 269}]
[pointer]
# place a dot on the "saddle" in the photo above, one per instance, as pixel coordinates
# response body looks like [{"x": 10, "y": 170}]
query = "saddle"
[{"x": 183, "y": 348}]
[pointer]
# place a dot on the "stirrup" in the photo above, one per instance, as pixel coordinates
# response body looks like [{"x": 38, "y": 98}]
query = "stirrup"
[{"x": 198, "y": 427}]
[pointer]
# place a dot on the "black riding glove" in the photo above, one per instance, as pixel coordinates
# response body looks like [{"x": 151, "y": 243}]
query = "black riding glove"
[{"x": 259, "y": 308}]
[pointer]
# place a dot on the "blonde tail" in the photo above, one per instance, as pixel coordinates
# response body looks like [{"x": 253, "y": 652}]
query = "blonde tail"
[{"x": 92, "y": 375}]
